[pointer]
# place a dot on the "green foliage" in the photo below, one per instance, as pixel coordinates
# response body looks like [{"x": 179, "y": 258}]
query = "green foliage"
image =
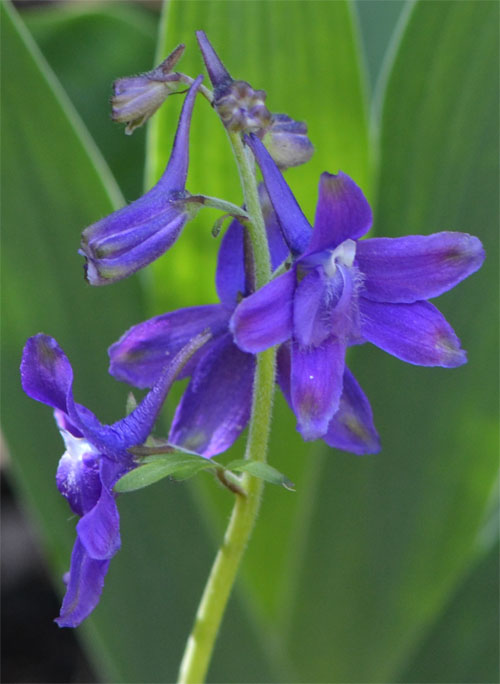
[
  {"x": 370, "y": 570},
  {"x": 261, "y": 470},
  {"x": 182, "y": 465},
  {"x": 179, "y": 465}
]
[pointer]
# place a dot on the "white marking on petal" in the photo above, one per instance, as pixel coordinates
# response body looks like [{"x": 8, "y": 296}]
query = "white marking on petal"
[
  {"x": 343, "y": 254},
  {"x": 78, "y": 450}
]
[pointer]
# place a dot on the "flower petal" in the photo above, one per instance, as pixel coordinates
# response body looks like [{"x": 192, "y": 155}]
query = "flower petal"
[
  {"x": 216, "y": 405},
  {"x": 137, "y": 426},
  {"x": 77, "y": 474},
  {"x": 218, "y": 73},
  {"x": 409, "y": 269},
  {"x": 230, "y": 277},
  {"x": 417, "y": 333},
  {"x": 295, "y": 226},
  {"x": 316, "y": 385},
  {"x": 86, "y": 580},
  {"x": 46, "y": 373},
  {"x": 141, "y": 353},
  {"x": 342, "y": 212},
  {"x": 174, "y": 176},
  {"x": 99, "y": 529},
  {"x": 234, "y": 276},
  {"x": 351, "y": 428},
  {"x": 134, "y": 246},
  {"x": 265, "y": 318},
  {"x": 325, "y": 305},
  {"x": 311, "y": 319},
  {"x": 277, "y": 245}
]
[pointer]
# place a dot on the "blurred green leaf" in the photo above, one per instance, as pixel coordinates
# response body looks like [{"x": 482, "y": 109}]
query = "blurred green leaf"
[
  {"x": 462, "y": 647},
  {"x": 105, "y": 41},
  {"x": 402, "y": 525},
  {"x": 377, "y": 21},
  {"x": 261, "y": 470}
]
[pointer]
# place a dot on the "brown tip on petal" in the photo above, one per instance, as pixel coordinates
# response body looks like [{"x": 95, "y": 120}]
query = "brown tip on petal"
[{"x": 169, "y": 62}]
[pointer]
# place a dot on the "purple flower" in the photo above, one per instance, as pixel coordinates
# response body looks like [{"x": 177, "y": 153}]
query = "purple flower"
[
  {"x": 134, "y": 236},
  {"x": 215, "y": 407},
  {"x": 136, "y": 98},
  {"x": 341, "y": 291},
  {"x": 96, "y": 457}
]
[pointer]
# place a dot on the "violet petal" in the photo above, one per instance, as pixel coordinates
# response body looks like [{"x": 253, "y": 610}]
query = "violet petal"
[
  {"x": 417, "y": 333},
  {"x": 311, "y": 308},
  {"x": 316, "y": 385},
  {"x": 141, "y": 353},
  {"x": 416, "y": 267},
  {"x": 215, "y": 407},
  {"x": 99, "y": 529},
  {"x": 352, "y": 428},
  {"x": 135, "y": 428},
  {"x": 277, "y": 245},
  {"x": 296, "y": 229},
  {"x": 218, "y": 73},
  {"x": 265, "y": 318},
  {"x": 46, "y": 373},
  {"x": 342, "y": 212},
  {"x": 86, "y": 580},
  {"x": 230, "y": 278},
  {"x": 77, "y": 474}
]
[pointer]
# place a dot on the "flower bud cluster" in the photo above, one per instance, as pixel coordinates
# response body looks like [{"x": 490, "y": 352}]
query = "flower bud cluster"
[{"x": 241, "y": 108}]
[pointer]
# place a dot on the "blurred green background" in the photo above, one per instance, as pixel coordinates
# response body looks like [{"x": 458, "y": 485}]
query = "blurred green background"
[{"x": 377, "y": 569}]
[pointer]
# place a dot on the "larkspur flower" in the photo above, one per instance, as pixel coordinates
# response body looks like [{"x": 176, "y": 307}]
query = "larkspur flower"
[
  {"x": 134, "y": 236},
  {"x": 136, "y": 98},
  {"x": 342, "y": 291},
  {"x": 215, "y": 407},
  {"x": 96, "y": 457}
]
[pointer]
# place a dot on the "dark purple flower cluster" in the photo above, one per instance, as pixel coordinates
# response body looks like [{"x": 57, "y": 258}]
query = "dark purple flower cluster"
[{"x": 331, "y": 290}]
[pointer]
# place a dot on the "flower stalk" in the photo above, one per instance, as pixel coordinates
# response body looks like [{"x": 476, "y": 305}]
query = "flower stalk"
[{"x": 201, "y": 641}]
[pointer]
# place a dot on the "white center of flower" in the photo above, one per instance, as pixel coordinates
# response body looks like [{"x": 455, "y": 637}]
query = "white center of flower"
[
  {"x": 343, "y": 254},
  {"x": 77, "y": 448}
]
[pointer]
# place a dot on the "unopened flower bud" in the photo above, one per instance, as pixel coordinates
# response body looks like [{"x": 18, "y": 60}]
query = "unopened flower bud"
[
  {"x": 241, "y": 108},
  {"x": 136, "y": 98},
  {"x": 287, "y": 141}
]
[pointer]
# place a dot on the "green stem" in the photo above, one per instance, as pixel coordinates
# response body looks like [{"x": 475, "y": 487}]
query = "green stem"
[
  {"x": 256, "y": 227},
  {"x": 201, "y": 641},
  {"x": 222, "y": 205}
]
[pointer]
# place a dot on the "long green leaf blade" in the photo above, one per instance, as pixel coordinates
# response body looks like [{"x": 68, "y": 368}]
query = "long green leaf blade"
[{"x": 404, "y": 523}]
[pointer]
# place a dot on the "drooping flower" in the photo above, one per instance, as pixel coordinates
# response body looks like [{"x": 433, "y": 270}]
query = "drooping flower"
[
  {"x": 216, "y": 404},
  {"x": 136, "y": 98},
  {"x": 134, "y": 236},
  {"x": 342, "y": 291},
  {"x": 96, "y": 457}
]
